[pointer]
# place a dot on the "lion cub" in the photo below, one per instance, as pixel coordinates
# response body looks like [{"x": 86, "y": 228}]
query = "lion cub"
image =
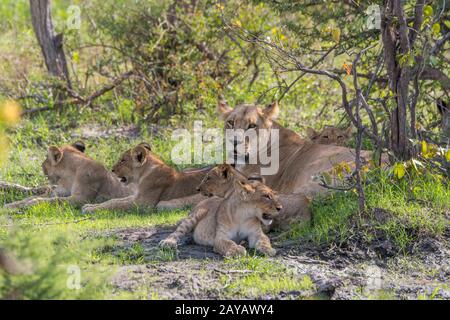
[
  {"x": 295, "y": 206},
  {"x": 78, "y": 178},
  {"x": 156, "y": 182},
  {"x": 330, "y": 135},
  {"x": 222, "y": 223}
]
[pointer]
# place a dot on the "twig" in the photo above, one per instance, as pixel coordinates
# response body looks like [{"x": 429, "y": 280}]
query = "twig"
[
  {"x": 88, "y": 100},
  {"x": 35, "y": 110},
  {"x": 233, "y": 271},
  {"x": 48, "y": 224}
]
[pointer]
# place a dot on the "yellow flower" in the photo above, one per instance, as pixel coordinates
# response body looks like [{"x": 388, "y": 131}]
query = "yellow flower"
[
  {"x": 10, "y": 112},
  {"x": 237, "y": 23}
]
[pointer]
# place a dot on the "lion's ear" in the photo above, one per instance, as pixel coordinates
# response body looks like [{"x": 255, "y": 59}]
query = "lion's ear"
[
  {"x": 54, "y": 154},
  {"x": 244, "y": 188},
  {"x": 145, "y": 145},
  {"x": 226, "y": 170},
  {"x": 272, "y": 110},
  {"x": 223, "y": 108},
  {"x": 79, "y": 145},
  {"x": 311, "y": 133},
  {"x": 140, "y": 154},
  {"x": 349, "y": 131}
]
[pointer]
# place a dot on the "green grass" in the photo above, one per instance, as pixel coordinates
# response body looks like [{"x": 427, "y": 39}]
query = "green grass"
[
  {"x": 262, "y": 276},
  {"x": 416, "y": 206}
]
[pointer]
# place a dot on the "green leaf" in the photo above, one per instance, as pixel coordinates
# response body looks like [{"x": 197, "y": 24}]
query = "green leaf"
[
  {"x": 399, "y": 170},
  {"x": 410, "y": 60},
  {"x": 428, "y": 11},
  {"x": 402, "y": 59},
  {"x": 424, "y": 147},
  {"x": 433, "y": 61},
  {"x": 436, "y": 28},
  {"x": 76, "y": 57},
  {"x": 336, "y": 34}
]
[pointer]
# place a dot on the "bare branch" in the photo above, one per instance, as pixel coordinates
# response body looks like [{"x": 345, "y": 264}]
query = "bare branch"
[{"x": 439, "y": 44}]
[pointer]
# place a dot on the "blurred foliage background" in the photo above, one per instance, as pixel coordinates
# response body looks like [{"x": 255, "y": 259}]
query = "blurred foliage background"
[{"x": 184, "y": 54}]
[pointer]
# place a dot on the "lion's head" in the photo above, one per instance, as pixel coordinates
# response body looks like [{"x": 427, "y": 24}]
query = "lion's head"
[
  {"x": 132, "y": 163},
  {"x": 55, "y": 164},
  {"x": 262, "y": 200},
  {"x": 251, "y": 191},
  {"x": 249, "y": 119},
  {"x": 218, "y": 180},
  {"x": 330, "y": 135}
]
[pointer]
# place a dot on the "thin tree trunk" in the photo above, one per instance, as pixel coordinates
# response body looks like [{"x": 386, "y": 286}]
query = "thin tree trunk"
[
  {"x": 396, "y": 42},
  {"x": 51, "y": 43}
]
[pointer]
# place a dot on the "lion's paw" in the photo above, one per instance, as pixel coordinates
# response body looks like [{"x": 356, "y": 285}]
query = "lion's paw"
[
  {"x": 168, "y": 243},
  {"x": 236, "y": 251},
  {"x": 268, "y": 251},
  {"x": 88, "y": 208}
]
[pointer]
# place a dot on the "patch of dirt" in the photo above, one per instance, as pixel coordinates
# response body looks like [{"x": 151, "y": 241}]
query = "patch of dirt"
[
  {"x": 350, "y": 271},
  {"x": 96, "y": 131}
]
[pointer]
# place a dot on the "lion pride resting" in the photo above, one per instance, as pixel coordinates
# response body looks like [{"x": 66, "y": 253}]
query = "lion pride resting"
[
  {"x": 78, "y": 178},
  {"x": 223, "y": 223},
  {"x": 299, "y": 160},
  {"x": 156, "y": 183}
]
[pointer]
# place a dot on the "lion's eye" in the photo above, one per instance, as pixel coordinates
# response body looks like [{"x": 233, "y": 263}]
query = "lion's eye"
[
  {"x": 230, "y": 123},
  {"x": 252, "y": 126},
  {"x": 267, "y": 196}
]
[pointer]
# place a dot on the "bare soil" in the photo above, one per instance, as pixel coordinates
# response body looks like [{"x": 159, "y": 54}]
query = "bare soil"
[{"x": 350, "y": 271}]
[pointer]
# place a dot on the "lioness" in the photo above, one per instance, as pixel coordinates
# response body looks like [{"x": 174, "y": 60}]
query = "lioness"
[
  {"x": 330, "y": 135},
  {"x": 299, "y": 160},
  {"x": 237, "y": 217},
  {"x": 220, "y": 179},
  {"x": 78, "y": 178},
  {"x": 156, "y": 182}
]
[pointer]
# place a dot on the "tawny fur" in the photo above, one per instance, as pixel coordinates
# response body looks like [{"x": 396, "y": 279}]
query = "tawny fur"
[
  {"x": 299, "y": 159},
  {"x": 78, "y": 179},
  {"x": 295, "y": 206},
  {"x": 224, "y": 222},
  {"x": 330, "y": 135},
  {"x": 157, "y": 184}
]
